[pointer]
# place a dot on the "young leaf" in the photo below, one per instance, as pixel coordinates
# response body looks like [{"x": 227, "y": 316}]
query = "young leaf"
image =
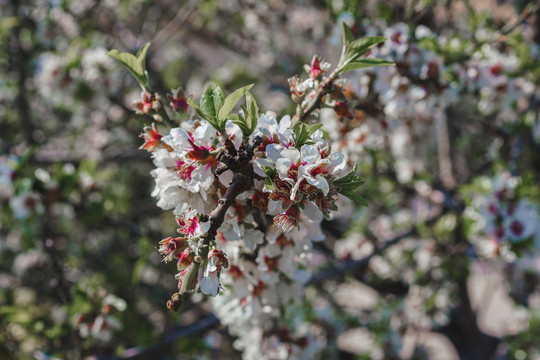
[
  {"x": 231, "y": 101},
  {"x": 252, "y": 117},
  {"x": 302, "y": 133},
  {"x": 350, "y": 177},
  {"x": 348, "y": 36},
  {"x": 350, "y": 181},
  {"x": 141, "y": 55},
  {"x": 348, "y": 184},
  {"x": 219, "y": 98},
  {"x": 314, "y": 128},
  {"x": 212, "y": 97},
  {"x": 269, "y": 171},
  {"x": 194, "y": 105},
  {"x": 268, "y": 183},
  {"x": 135, "y": 65},
  {"x": 364, "y": 63},
  {"x": 236, "y": 117},
  {"x": 354, "y": 197},
  {"x": 359, "y": 47},
  {"x": 241, "y": 122}
]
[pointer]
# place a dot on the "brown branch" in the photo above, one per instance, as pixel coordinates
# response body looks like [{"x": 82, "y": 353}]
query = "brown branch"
[
  {"x": 355, "y": 265},
  {"x": 360, "y": 264},
  {"x": 527, "y": 12},
  {"x": 199, "y": 326},
  {"x": 446, "y": 173},
  {"x": 324, "y": 89},
  {"x": 20, "y": 62},
  {"x": 241, "y": 164},
  {"x": 183, "y": 14}
]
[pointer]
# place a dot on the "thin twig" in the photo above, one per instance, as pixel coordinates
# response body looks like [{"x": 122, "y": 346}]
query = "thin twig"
[
  {"x": 352, "y": 265},
  {"x": 443, "y": 152},
  {"x": 527, "y": 12},
  {"x": 242, "y": 166},
  {"x": 183, "y": 14},
  {"x": 197, "y": 327},
  {"x": 323, "y": 90}
]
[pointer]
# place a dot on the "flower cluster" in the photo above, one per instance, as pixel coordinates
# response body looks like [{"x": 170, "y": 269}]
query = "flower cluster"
[
  {"x": 296, "y": 182},
  {"x": 22, "y": 200},
  {"x": 401, "y": 106},
  {"x": 300, "y": 178},
  {"x": 510, "y": 222},
  {"x": 259, "y": 271},
  {"x": 226, "y": 174},
  {"x": 102, "y": 324}
]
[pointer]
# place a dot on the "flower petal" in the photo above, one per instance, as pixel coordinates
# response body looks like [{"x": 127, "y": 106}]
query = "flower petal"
[
  {"x": 210, "y": 284},
  {"x": 310, "y": 154},
  {"x": 312, "y": 211},
  {"x": 319, "y": 182}
]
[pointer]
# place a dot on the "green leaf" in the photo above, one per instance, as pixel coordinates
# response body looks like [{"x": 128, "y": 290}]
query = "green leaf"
[
  {"x": 219, "y": 98},
  {"x": 210, "y": 104},
  {"x": 348, "y": 36},
  {"x": 430, "y": 43},
  {"x": 341, "y": 182},
  {"x": 206, "y": 104},
  {"x": 129, "y": 61},
  {"x": 7, "y": 23},
  {"x": 194, "y": 105},
  {"x": 268, "y": 183},
  {"x": 268, "y": 171},
  {"x": 314, "y": 128},
  {"x": 365, "y": 63},
  {"x": 236, "y": 117},
  {"x": 348, "y": 184},
  {"x": 231, "y": 101},
  {"x": 252, "y": 112},
  {"x": 384, "y": 11},
  {"x": 141, "y": 55},
  {"x": 302, "y": 133},
  {"x": 241, "y": 122},
  {"x": 248, "y": 122},
  {"x": 136, "y": 65},
  {"x": 354, "y": 197},
  {"x": 359, "y": 47}
]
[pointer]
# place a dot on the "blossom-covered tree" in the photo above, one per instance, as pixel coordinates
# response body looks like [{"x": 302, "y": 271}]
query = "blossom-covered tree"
[{"x": 380, "y": 204}]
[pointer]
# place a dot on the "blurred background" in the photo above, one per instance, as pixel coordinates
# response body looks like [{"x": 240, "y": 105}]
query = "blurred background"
[{"x": 419, "y": 274}]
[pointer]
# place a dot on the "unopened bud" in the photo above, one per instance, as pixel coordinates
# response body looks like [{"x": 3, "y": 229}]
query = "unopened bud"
[{"x": 173, "y": 305}]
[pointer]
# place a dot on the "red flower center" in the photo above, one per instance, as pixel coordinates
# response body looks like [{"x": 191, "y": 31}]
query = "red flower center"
[
  {"x": 235, "y": 272},
  {"x": 496, "y": 69},
  {"x": 258, "y": 289},
  {"x": 517, "y": 227},
  {"x": 184, "y": 169},
  {"x": 396, "y": 37},
  {"x": 271, "y": 262},
  {"x": 180, "y": 105}
]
